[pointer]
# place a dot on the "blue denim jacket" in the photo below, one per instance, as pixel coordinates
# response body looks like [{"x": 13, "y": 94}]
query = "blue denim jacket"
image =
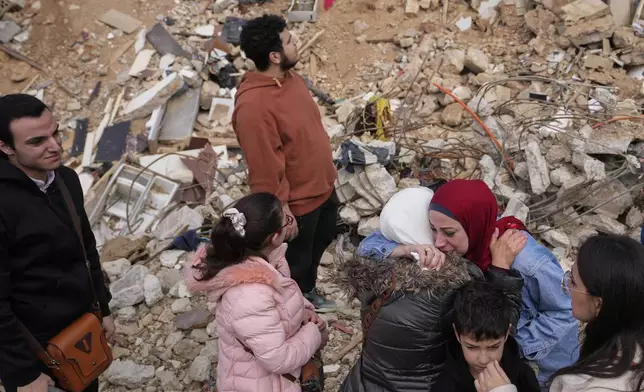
[{"x": 547, "y": 331}]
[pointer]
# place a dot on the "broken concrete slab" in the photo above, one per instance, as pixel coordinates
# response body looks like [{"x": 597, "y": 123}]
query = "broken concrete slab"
[
  {"x": 180, "y": 116},
  {"x": 622, "y": 11},
  {"x": 120, "y": 21},
  {"x": 206, "y": 31},
  {"x": 555, "y": 238},
  {"x": 412, "y": 7},
  {"x": 604, "y": 224},
  {"x": 589, "y": 32},
  {"x": 141, "y": 62},
  {"x": 609, "y": 191},
  {"x": 537, "y": 168},
  {"x": 369, "y": 226},
  {"x": 146, "y": 102},
  {"x": 634, "y": 218},
  {"x": 593, "y": 169},
  {"x": 581, "y": 11},
  {"x": 163, "y": 42},
  {"x": 562, "y": 175},
  {"x": 517, "y": 209},
  {"x": 476, "y": 61},
  {"x": 580, "y": 235}
]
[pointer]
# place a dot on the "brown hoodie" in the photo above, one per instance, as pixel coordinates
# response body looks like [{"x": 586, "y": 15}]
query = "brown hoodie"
[{"x": 286, "y": 148}]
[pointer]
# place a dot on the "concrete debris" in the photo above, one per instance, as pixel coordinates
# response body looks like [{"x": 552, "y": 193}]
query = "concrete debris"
[
  {"x": 537, "y": 168},
  {"x": 554, "y": 237},
  {"x": 129, "y": 374},
  {"x": 582, "y": 67}
]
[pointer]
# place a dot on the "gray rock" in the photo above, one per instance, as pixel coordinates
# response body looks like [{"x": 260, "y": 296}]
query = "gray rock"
[
  {"x": 561, "y": 175},
  {"x": 476, "y": 61},
  {"x": 634, "y": 218},
  {"x": 199, "y": 335},
  {"x": 537, "y": 168},
  {"x": 609, "y": 191},
  {"x": 369, "y": 226},
  {"x": 181, "y": 305},
  {"x": 170, "y": 258},
  {"x": 180, "y": 290},
  {"x": 129, "y": 374},
  {"x": 593, "y": 169},
  {"x": 194, "y": 318},
  {"x": 126, "y": 314},
  {"x": 383, "y": 183},
  {"x": 516, "y": 208},
  {"x": 604, "y": 224},
  {"x": 521, "y": 171},
  {"x": 169, "y": 278},
  {"x": 344, "y": 111},
  {"x": 200, "y": 369},
  {"x": 152, "y": 290},
  {"x": 555, "y": 237},
  {"x": 211, "y": 350},
  {"x": 349, "y": 214},
  {"x": 128, "y": 291},
  {"x": 117, "y": 268},
  {"x": 187, "y": 349},
  {"x": 580, "y": 235},
  {"x": 169, "y": 381},
  {"x": 172, "y": 339}
]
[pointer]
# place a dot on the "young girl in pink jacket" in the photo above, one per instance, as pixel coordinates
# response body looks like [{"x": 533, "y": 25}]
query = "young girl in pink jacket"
[{"x": 267, "y": 329}]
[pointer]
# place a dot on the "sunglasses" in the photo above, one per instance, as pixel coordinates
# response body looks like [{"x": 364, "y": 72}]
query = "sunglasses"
[{"x": 566, "y": 284}]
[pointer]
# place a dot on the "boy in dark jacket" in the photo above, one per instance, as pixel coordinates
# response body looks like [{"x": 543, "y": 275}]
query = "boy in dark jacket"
[{"x": 484, "y": 357}]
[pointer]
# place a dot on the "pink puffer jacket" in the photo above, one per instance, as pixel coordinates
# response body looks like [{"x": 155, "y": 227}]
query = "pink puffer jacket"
[{"x": 259, "y": 305}]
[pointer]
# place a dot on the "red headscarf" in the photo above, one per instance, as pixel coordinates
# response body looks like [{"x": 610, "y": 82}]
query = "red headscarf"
[{"x": 473, "y": 205}]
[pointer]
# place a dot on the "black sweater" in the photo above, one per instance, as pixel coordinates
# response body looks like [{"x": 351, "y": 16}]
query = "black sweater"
[
  {"x": 43, "y": 277},
  {"x": 456, "y": 376}
]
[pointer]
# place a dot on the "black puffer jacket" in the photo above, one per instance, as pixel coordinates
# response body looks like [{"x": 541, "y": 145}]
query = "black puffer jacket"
[{"x": 405, "y": 347}]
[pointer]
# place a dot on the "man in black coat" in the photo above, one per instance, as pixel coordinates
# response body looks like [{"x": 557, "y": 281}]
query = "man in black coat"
[{"x": 44, "y": 281}]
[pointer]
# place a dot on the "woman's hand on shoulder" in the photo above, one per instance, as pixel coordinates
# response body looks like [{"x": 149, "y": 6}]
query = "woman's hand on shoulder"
[
  {"x": 505, "y": 248},
  {"x": 428, "y": 256}
]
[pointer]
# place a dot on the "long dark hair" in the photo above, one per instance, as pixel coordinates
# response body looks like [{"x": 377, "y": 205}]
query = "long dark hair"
[
  {"x": 612, "y": 268},
  {"x": 263, "y": 212}
]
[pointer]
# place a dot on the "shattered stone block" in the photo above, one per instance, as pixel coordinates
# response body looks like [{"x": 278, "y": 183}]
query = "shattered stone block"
[
  {"x": 634, "y": 218},
  {"x": 604, "y": 224},
  {"x": 593, "y": 169},
  {"x": 590, "y": 32},
  {"x": 476, "y": 61},
  {"x": 369, "y": 226},
  {"x": 517, "y": 209},
  {"x": 412, "y": 7},
  {"x": 146, "y": 102},
  {"x": 537, "y": 168},
  {"x": 561, "y": 175},
  {"x": 555, "y": 237},
  {"x": 349, "y": 215},
  {"x": 609, "y": 191},
  {"x": 581, "y": 11},
  {"x": 580, "y": 235},
  {"x": 488, "y": 170},
  {"x": 344, "y": 111},
  {"x": 383, "y": 183},
  {"x": 521, "y": 171},
  {"x": 452, "y": 115}
]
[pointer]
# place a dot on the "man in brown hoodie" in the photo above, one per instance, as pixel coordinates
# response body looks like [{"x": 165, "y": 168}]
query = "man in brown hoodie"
[{"x": 287, "y": 150}]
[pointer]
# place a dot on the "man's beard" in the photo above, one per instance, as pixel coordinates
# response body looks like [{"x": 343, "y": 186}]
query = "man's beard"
[{"x": 287, "y": 64}]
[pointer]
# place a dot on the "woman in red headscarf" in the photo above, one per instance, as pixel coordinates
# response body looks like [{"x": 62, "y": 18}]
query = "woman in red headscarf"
[{"x": 463, "y": 218}]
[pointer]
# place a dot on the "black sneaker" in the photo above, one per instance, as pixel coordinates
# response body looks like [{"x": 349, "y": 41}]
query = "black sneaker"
[{"x": 322, "y": 305}]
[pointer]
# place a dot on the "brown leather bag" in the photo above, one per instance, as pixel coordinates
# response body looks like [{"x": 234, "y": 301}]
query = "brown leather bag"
[{"x": 80, "y": 353}]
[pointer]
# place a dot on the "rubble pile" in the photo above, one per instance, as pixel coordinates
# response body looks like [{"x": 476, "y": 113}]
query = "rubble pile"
[{"x": 543, "y": 104}]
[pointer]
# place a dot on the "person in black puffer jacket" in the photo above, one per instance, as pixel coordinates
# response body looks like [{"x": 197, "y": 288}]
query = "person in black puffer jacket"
[{"x": 405, "y": 345}]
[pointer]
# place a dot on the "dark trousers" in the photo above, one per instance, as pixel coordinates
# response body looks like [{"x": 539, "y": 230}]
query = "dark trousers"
[
  {"x": 93, "y": 387},
  {"x": 317, "y": 229}
]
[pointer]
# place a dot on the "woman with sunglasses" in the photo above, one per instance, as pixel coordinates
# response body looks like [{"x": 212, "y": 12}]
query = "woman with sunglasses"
[{"x": 606, "y": 286}]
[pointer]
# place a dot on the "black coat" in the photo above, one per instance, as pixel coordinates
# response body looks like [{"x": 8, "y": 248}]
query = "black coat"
[
  {"x": 456, "y": 376},
  {"x": 405, "y": 347},
  {"x": 43, "y": 278}
]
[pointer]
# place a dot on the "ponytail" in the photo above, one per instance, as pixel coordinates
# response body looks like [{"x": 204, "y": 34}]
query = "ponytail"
[{"x": 231, "y": 244}]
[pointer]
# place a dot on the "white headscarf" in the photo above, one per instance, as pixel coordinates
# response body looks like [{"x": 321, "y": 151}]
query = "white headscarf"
[{"x": 405, "y": 217}]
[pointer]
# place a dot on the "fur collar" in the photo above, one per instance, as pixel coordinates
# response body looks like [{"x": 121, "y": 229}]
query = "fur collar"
[{"x": 357, "y": 275}]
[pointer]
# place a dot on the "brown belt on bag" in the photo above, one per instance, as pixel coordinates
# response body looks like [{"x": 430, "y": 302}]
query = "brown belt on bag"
[{"x": 80, "y": 353}]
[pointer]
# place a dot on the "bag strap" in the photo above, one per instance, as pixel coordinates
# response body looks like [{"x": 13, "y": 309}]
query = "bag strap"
[
  {"x": 372, "y": 311},
  {"x": 287, "y": 376},
  {"x": 77, "y": 227}
]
